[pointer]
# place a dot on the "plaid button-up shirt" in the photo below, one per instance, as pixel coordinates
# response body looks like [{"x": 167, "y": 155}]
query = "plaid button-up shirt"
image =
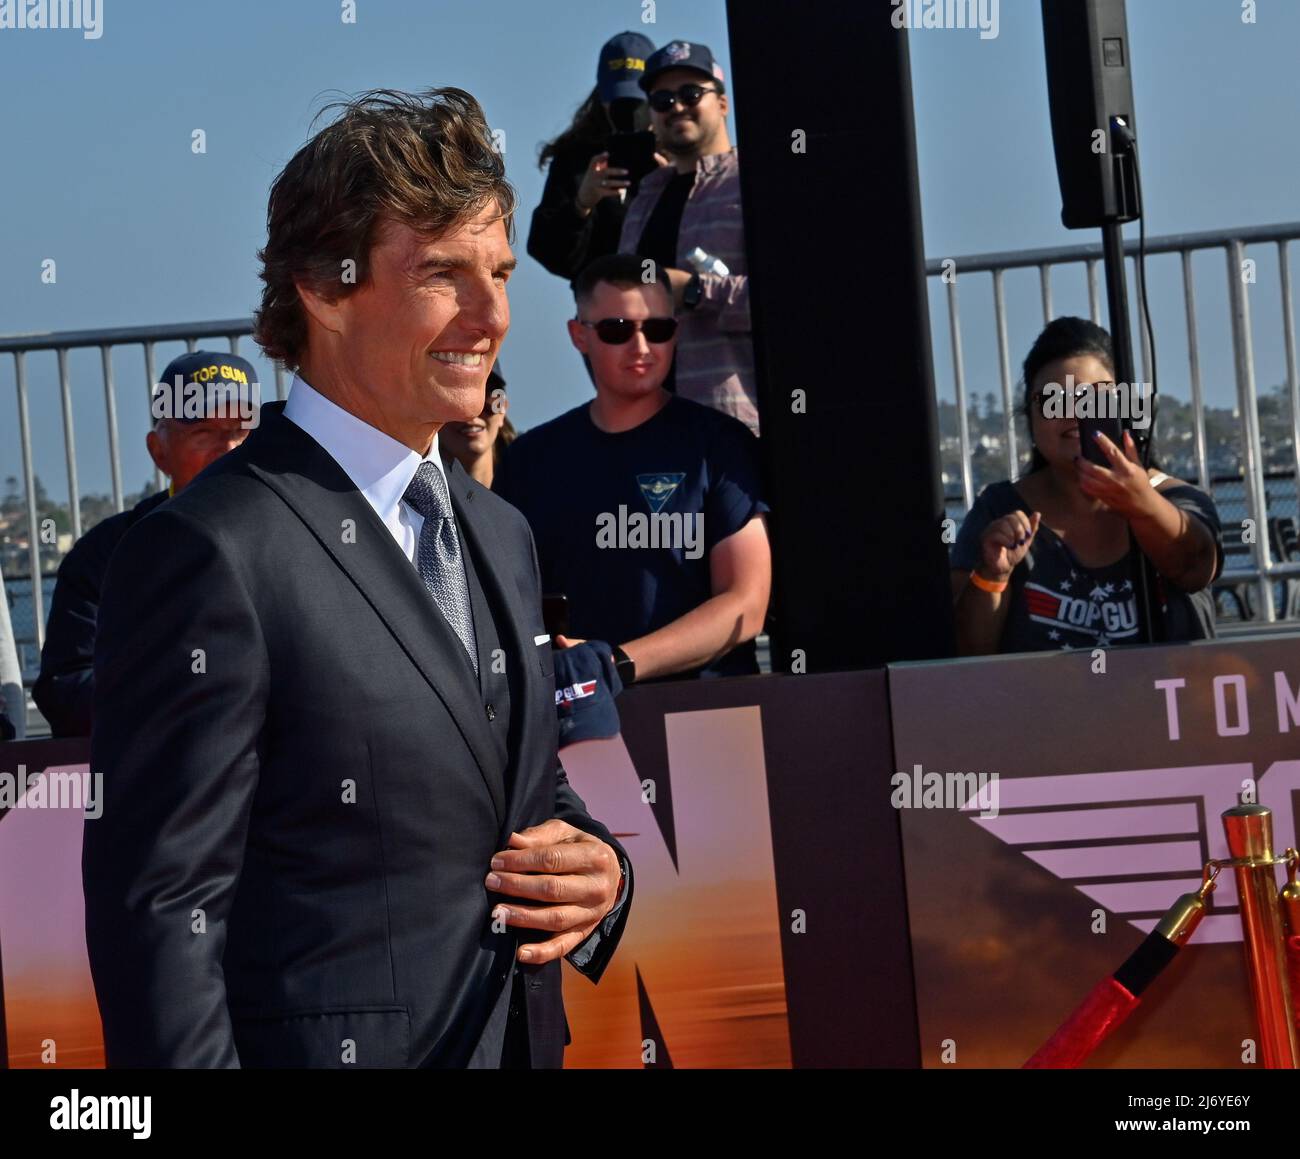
[{"x": 715, "y": 353}]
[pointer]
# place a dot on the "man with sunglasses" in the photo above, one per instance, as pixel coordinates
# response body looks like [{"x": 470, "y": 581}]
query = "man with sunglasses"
[
  {"x": 645, "y": 507},
  {"x": 694, "y": 204}
]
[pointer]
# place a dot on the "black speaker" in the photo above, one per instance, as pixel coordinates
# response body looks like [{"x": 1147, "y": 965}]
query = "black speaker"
[
  {"x": 841, "y": 327},
  {"x": 1089, "y": 85}
]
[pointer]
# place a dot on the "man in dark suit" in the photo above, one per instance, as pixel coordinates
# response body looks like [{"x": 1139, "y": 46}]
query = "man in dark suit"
[{"x": 335, "y": 830}]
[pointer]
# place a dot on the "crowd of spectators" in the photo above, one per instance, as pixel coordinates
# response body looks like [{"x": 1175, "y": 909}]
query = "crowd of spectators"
[{"x": 646, "y": 503}]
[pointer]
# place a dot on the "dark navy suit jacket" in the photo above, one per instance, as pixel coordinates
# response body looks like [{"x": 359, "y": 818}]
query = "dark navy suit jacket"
[
  {"x": 301, "y": 789},
  {"x": 63, "y": 690}
]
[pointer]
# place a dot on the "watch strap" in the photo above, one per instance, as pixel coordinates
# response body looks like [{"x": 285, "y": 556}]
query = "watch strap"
[
  {"x": 624, "y": 665},
  {"x": 693, "y": 292}
]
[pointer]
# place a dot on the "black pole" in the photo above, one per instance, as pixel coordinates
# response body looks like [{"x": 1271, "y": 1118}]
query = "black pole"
[
  {"x": 1090, "y": 91},
  {"x": 1150, "y": 621},
  {"x": 1121, "y": 333}
]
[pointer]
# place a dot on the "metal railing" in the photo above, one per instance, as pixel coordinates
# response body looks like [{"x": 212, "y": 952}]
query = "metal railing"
[
  {"x": 146, "y": 337},
  {"x": 1262, "y": 570}
]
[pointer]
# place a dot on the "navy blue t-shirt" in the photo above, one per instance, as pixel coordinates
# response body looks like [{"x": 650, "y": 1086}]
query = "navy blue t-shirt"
[
  {"x": 624, "y": 523},
  {"x": 1059, "y": 603}
]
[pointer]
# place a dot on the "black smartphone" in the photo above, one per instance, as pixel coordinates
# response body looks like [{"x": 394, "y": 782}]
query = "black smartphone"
[
  {"x": 634, "y": 152},
  {"x": 555, "y": 615},
  {"x": 1112, "y": 428}
]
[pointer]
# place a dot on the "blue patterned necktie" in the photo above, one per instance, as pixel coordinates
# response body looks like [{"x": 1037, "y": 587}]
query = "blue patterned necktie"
[{"x": 437, "y": 555}]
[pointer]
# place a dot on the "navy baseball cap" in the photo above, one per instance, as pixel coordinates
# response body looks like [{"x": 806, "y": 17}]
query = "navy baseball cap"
[
  {"x": 496, "y": 377},
  {"x": 586, "y": 683},
  {"x": 206, "y": 384},
  {"x": 683, "y": 54},
  {"x": 622, "y": 61}
]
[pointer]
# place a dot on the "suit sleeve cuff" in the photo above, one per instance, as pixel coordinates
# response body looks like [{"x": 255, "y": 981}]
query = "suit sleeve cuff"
[{"x": 581, "y": 957}]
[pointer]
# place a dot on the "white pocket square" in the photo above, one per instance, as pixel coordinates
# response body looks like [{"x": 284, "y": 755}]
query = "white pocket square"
[{"x": 541, "y": 639}]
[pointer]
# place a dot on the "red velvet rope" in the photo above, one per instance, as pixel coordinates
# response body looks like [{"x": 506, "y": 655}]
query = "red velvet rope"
[
  {"x": 1078, "y": 1036},
  {"x": 1293, "y": 969}
]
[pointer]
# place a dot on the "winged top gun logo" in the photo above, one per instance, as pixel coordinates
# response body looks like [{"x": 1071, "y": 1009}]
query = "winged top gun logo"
[{"x": 1148, "y": 842}]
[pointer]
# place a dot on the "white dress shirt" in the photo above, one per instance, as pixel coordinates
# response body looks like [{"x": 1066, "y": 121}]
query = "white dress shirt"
[{"x": 379, "y": 466}]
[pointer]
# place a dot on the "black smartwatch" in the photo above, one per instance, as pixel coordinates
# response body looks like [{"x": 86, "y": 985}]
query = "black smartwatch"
[
  {"x": 625, "y": 666},
  {"x": 693, "y": 292}
]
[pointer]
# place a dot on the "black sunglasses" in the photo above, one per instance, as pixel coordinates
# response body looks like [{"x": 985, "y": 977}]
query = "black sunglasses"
[
  {"x": 661, "y": 100},
  {"x": 616, "y": 331}
]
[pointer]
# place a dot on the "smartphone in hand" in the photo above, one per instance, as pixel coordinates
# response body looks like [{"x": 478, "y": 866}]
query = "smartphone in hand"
[
  {"x": 634, "y": 152},
  {"x": 1112, "y": 428},
  {"x": 555, "y": 614}
]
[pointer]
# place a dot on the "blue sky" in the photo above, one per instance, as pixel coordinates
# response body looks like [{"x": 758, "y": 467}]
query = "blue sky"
[
  {"x": 1217, "y": 102},
  {"x": 100, "y": 175}
]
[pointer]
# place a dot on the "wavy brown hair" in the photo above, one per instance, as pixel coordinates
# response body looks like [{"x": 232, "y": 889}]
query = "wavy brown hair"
[
  {"x": 426, "y": 160},
  {"x": 590, "y": 129}
]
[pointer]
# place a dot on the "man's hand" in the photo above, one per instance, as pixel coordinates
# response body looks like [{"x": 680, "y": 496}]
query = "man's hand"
[
  {"x": 569, "y": 880},
  {"x": 678, "y": 280}
]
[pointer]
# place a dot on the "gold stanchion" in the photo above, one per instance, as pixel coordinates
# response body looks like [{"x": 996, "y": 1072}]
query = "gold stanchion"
[
  {"x": 1291, "y": 917},
  {"x": 1249, "y": 829},
  {"x": 1291, "y": 899}
]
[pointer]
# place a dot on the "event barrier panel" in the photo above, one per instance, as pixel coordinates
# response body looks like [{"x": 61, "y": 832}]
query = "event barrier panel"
[
  {"x": 768, "y": 924},
  {"x": 816, "y": 887},
  {"x": 1112, "y": 771}
]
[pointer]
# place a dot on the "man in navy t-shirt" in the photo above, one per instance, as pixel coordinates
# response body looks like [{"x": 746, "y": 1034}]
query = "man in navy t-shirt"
[{"x": 646, "y": 507}]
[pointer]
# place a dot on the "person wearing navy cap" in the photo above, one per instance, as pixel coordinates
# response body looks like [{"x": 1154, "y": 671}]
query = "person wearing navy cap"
[
  {"x": 686, "y": 216},
  {"x": 202, "y": 407},
  {"x": 584, "y": 201}
]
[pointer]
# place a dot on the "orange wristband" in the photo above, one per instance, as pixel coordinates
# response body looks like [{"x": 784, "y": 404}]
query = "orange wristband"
[{"x": 987, "y": 585}]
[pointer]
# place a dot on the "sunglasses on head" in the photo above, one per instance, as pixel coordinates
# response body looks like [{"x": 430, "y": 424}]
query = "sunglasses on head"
[
  {"x": 661, "y": 100},
  {"x": 616, "y": 331}
]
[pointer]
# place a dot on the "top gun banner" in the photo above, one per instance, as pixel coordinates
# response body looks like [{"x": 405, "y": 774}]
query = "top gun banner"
[
  {"x": 1090, "y": 792},
  {"x": 768, "y": 910},
  {"x": 767, "y": 918}
]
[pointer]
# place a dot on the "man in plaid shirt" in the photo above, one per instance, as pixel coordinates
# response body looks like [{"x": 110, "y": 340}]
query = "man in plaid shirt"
[{"x": 694, "y": 202}]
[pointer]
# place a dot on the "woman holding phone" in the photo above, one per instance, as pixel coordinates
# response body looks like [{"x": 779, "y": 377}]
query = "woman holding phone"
[
  {"x": 586, "y": 196},
  {"x": 1046, "y": 562}
]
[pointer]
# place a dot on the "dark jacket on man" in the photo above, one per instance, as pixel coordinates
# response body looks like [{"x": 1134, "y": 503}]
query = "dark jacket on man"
[
  {"x": 63, "y": 689},
  {"x": 304, "y": 782}
]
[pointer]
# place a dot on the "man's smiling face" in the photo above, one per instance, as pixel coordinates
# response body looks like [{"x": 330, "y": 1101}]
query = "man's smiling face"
[
  {"x": 416, "y": 341},
  {"x": 683, "y": 130}
]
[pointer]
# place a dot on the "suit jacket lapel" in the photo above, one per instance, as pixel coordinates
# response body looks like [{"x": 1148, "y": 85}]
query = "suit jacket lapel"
[{"x": 320, "y": 493}]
